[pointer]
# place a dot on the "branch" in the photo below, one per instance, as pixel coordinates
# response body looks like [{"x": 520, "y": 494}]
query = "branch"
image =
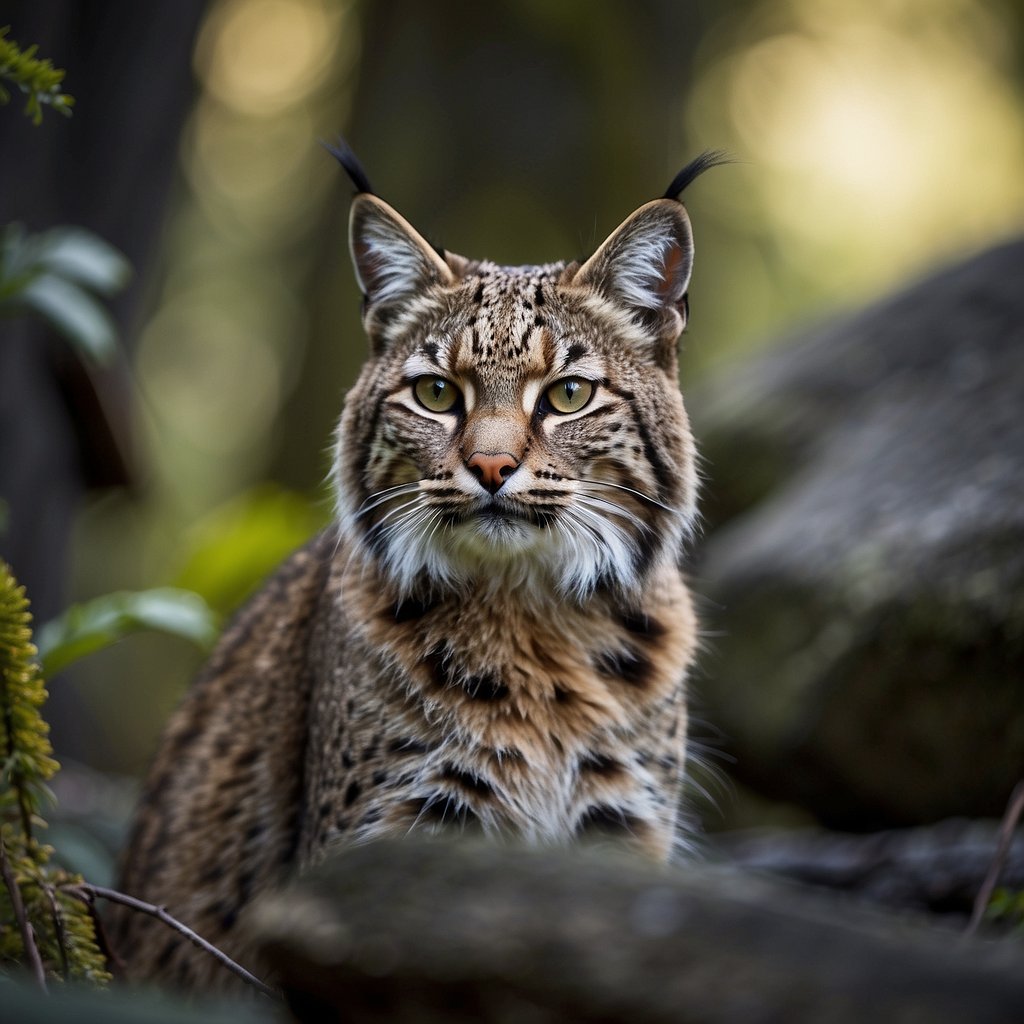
[
  {"x": 113, "y": 959},
  {"x": 59, "y": 930},
  {"x": 87, "y": 892},
  {"x": 1013, "y": 812},
  {"x": 28, "y": 938}
]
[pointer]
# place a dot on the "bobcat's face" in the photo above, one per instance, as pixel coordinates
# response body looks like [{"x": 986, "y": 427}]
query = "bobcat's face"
[{"x": 519, "y": 425}]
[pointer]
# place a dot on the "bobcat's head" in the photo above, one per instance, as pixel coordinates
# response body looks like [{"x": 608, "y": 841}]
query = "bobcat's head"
[{"x": 519, "y": 425}]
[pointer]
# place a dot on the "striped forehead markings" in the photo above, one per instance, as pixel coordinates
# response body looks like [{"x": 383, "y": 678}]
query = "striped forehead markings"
[{"x": 504, "y": 326}]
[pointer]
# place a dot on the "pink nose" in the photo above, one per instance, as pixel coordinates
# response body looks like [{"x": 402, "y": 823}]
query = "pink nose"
[{"x": 492, "y": 469}]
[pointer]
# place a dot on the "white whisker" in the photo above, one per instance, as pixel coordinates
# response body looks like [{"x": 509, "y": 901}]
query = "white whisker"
[
  {"x": 612, "y": 507},
  {"x": 372, "y": 501},
  {"x": 636, "y": 493},
  {"x": 437, "y": 518},
  {"x": 406, "y": 520},
  {"x": 412, "y": 504}
]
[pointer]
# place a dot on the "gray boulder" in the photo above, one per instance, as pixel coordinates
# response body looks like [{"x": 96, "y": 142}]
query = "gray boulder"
[
  {"x": 427, "y": 932},
  {"x": 865, "y": 559},
  {"x": 934, "y": 870}
]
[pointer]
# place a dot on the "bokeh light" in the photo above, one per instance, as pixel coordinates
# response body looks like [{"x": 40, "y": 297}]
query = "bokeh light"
[
  {"x": 260, "y": 57},
  {"x": 875, "y": 141},
  {"x": 220, "y": 354}
]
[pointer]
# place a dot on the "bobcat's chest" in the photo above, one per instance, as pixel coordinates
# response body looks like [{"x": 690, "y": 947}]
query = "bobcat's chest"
[{"x": 532, "y": 721}]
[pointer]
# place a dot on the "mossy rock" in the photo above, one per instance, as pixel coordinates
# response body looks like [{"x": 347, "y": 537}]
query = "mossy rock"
[{"x": 865, "y": 563}]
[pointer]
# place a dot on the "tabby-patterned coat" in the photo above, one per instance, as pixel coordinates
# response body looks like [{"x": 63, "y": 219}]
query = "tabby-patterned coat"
[{"x": 495, "y": 634}]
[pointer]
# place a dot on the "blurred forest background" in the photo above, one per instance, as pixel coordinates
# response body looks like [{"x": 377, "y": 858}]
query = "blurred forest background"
[{"x": 875, "y": 140}]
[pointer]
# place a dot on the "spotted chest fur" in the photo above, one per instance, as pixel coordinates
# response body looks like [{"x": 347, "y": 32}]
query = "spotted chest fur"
[
  {"x": 507, "y": 719},
  {"x": 495, "y": 634}
]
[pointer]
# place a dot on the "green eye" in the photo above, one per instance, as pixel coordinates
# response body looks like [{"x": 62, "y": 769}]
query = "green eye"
[
  {"x": 435, "y": 393},
  {"x": 569, "y": 395}
]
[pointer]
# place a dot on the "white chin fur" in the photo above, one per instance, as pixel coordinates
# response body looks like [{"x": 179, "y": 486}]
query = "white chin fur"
[{"x": 559, "y": 560}]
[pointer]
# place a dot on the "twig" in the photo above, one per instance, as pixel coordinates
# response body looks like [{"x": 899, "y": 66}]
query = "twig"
[
  {"x": 59, "y": 930},
  {"x": 1013, "y": 812},
  {"x": 28, "y": 938},
  {"x": 114, "y": 962},
  {"x": 86, "y": 891}
]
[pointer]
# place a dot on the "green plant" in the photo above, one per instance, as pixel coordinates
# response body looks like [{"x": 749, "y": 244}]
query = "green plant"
[
  {"x": 96, "y": 624},
  {"x": 44, "y": 922},
  {"x": 47, "y": 917},
  {"x": 229, "y": 552},
  {"x": 1007, "y": 907},
  {"x": 38, "y": 79},
  {"x": 56, "y": 274}
]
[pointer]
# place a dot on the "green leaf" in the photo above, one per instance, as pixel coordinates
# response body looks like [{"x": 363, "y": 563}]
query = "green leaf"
[
  {"x": 236, "y": 545},
  {"x": 78, "y": 316},
  {"x": 86, "y": 628},
  {"x": 80, "y": 256},
  {"x": 54, "y": 274}
]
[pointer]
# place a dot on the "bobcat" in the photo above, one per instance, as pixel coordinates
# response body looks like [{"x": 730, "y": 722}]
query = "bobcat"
[{"x": 495, "y": 634}]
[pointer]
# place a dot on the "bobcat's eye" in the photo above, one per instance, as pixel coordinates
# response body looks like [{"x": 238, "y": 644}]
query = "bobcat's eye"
[
  {"x": 436, "y": 393},
  {"x": 569, "y": 395}
]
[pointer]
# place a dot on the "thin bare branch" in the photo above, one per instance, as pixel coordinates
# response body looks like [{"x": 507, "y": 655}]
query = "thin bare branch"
[
  {"x": 28, "y": 938},
  {"x": 59, "y": 930},
  {"x": 114, "y": 962},
  {"x": 87, "y": 892},
  {"x": 1014, "y": 809}
]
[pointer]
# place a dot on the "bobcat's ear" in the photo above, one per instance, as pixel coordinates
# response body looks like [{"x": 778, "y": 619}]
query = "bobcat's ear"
[
  {"x": 392, "y": 260},
  {"x": 645, "y": 264}
]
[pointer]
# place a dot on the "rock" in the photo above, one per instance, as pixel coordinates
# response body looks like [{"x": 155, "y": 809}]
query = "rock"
[
  {"x": 866, "y": 562},
  {"x": 428, "y": 931},
  {"x": 935, "y": 869}
]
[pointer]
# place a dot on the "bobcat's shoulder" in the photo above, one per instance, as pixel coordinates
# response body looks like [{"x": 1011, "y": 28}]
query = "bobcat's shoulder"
[{"x": 221, "y": 808}]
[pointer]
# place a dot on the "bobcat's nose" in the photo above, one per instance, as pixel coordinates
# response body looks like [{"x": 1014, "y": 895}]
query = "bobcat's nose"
[{"x": 492, "y": 469}]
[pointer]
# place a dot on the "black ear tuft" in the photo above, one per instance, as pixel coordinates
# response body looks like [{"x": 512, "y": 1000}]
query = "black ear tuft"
[
  {"x": 694, "y": 169},
  {"x": 342, "y": 152}
]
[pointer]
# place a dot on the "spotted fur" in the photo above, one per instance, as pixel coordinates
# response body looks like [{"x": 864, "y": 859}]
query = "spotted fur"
[{"x": 495, "y": 634}]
